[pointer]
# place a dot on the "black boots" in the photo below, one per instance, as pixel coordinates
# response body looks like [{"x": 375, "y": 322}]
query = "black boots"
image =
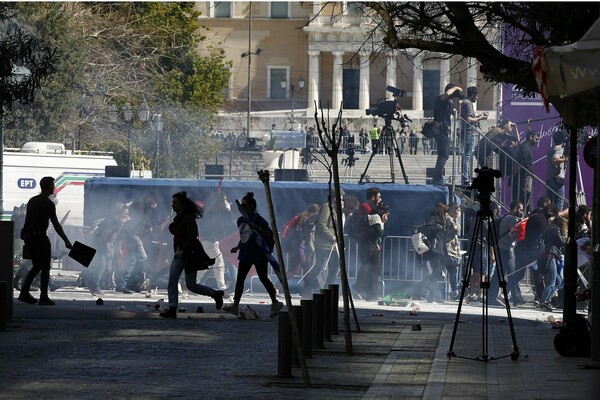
[
  {"x": 218, "y": 296},
  {"x": 170, "y": 313}
]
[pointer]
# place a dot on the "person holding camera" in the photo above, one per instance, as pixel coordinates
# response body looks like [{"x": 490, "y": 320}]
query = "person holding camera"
[
  {"x": 470, "y": 124},
  {"x": 443, "y": 108}
]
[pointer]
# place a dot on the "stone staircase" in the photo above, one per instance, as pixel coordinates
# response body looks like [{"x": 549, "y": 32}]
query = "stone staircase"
[{"x": 379, "y": 170}]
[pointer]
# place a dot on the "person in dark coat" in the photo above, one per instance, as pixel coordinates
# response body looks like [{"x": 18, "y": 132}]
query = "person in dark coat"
[
  {"x": 185, "y": 232},
  {"x": 438, "y": 231}
]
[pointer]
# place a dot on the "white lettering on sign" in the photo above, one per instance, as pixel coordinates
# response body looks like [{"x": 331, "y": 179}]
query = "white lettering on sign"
[{"x": 26, "y": 183}]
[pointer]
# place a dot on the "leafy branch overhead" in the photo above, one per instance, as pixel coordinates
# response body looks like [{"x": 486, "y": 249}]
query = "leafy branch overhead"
[
  {"x": 111, "y": 53},
  {"x": 480, "y": 30},
  {"x": 21, "y": 51}
]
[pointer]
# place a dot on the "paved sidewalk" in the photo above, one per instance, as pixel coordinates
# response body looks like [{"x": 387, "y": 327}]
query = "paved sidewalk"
[{"x": 123, "y": 350}]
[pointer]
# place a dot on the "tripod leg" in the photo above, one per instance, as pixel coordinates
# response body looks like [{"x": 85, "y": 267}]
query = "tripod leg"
[
  {"x": 465, "y": 284},
  {"x": 399, "y": 156},
  {"x": 502, "y": 283},
  {"x": 362, "y": 177}
]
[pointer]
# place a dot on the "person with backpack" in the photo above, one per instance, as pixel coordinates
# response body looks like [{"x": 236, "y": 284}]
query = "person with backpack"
[
  {"x": 443, "y": 109},
  {"x": 358, "y": 230},
  {"x": 254, "y": 229}
]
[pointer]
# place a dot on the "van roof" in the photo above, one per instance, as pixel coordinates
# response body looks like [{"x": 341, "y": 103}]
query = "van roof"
[{"x": 43, "y": 148}]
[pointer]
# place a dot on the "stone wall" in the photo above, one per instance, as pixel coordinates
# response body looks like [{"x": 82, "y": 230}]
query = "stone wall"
[{"x": 242, "y": 165}]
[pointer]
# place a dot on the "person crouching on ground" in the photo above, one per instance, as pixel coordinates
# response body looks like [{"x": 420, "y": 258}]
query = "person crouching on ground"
[{"x": 185, "y": 232}]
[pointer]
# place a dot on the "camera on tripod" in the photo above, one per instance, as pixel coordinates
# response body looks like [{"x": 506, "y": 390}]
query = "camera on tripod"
[
  {"x": 483, "y": 183},
  {"x": 389, "y": 109},
  {"x": 350, "y": 161}
]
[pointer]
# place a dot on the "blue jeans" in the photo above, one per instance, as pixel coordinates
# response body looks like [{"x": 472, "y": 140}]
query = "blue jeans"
[
  {"x": 177, "y": 266},
  {"x": 556, "y": 193},
  {"x": 466, "y": 159},
  {"x": 135, "y": 253},
  {"x": 550, "y": 278}
]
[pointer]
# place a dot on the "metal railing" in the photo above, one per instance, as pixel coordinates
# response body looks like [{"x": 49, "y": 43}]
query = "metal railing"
[{"x": 505, "y": 192}]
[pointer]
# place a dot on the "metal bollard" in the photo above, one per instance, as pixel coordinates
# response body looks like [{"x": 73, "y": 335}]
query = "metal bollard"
[
  {"x": 326, "y": 314},
  {"x": 6, "y": 267},
  {"x": 318, "y": 325},
  {"x": 2, "y": 305},
  {"x": 307, "y": 327},
  {"x": 284, "y": 346},
  {"x": 298, "y": 316},
  {"x": 335, "y": 305}
]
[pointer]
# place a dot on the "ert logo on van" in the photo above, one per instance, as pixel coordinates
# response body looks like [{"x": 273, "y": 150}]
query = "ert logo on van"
[{"x": 26, "y": 183}]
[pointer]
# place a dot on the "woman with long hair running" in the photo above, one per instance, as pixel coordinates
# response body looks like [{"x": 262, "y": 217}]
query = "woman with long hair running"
[{"x": 185, "y": 232}]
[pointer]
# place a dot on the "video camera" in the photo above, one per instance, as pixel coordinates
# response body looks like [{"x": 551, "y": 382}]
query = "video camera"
[
  {"x": 388, "y": 109},
  {"x": 350, "y": 161},
  {"x": 484, "y": 184},
  {"x": 457, "y": 95}
]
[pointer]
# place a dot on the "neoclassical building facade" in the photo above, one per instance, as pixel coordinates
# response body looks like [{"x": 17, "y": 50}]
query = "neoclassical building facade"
[{"x": 327, "y": 56}]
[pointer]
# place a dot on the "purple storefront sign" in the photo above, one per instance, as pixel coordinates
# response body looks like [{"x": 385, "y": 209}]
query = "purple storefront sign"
[{"x": 528, "y": 112}]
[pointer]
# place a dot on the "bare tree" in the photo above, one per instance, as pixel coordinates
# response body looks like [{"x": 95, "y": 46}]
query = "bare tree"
[
  {"x": 502, "y": 36},
  {"x": 330, "y": 139}
]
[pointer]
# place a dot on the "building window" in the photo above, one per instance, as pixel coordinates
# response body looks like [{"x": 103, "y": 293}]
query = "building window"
[
  {"x": 276, "y": 75},
  {"x": 222, "y": 9},
  {"x": 431, "y": 89},
  {"x": 279, "y": 9},
  {"x": 353, "y": 9}
]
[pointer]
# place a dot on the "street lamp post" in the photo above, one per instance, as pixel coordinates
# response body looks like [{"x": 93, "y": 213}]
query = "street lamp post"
[
  {"x": 142, "y": 112},
  {"x": 127, "y": 116},
  {"x": 249, "y": 54},
  {"x": 292, "y": 91},
  {"x": 157, "y": 124}
]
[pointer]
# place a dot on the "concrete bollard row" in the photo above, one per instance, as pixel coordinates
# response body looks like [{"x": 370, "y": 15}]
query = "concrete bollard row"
[{"x": 316, "y": 320}]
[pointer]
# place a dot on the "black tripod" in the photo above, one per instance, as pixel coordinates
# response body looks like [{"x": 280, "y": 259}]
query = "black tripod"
[
  {"x": 392, "y": 148},
  {"x": 485, "y": 216}
]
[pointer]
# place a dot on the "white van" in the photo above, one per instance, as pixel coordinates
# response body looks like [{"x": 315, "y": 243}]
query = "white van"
[{"x": 24, "y": 167}]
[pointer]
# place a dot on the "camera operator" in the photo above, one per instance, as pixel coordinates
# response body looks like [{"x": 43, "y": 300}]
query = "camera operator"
[
  {"x": 470, "y": 124},
  {"x": 443, "y": 108}
]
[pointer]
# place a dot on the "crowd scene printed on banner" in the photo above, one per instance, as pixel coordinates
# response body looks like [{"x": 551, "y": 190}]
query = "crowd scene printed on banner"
[{"x": 132, "y": 256}]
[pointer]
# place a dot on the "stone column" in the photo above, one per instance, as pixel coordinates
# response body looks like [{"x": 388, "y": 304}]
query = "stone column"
[
  {"x": 336, "y": 96},
  {"x": 417, "y": 91},
  {"x": 471, "y": 77},
  {"x": 313, "y": 80},
  {"x": 472, "y": 72},
  {"x": 363, "y": 91},
  {"x": 316, "y": 8},
  {"x": 390, "y": 72},
  {"x": 444, "y": 74}
]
